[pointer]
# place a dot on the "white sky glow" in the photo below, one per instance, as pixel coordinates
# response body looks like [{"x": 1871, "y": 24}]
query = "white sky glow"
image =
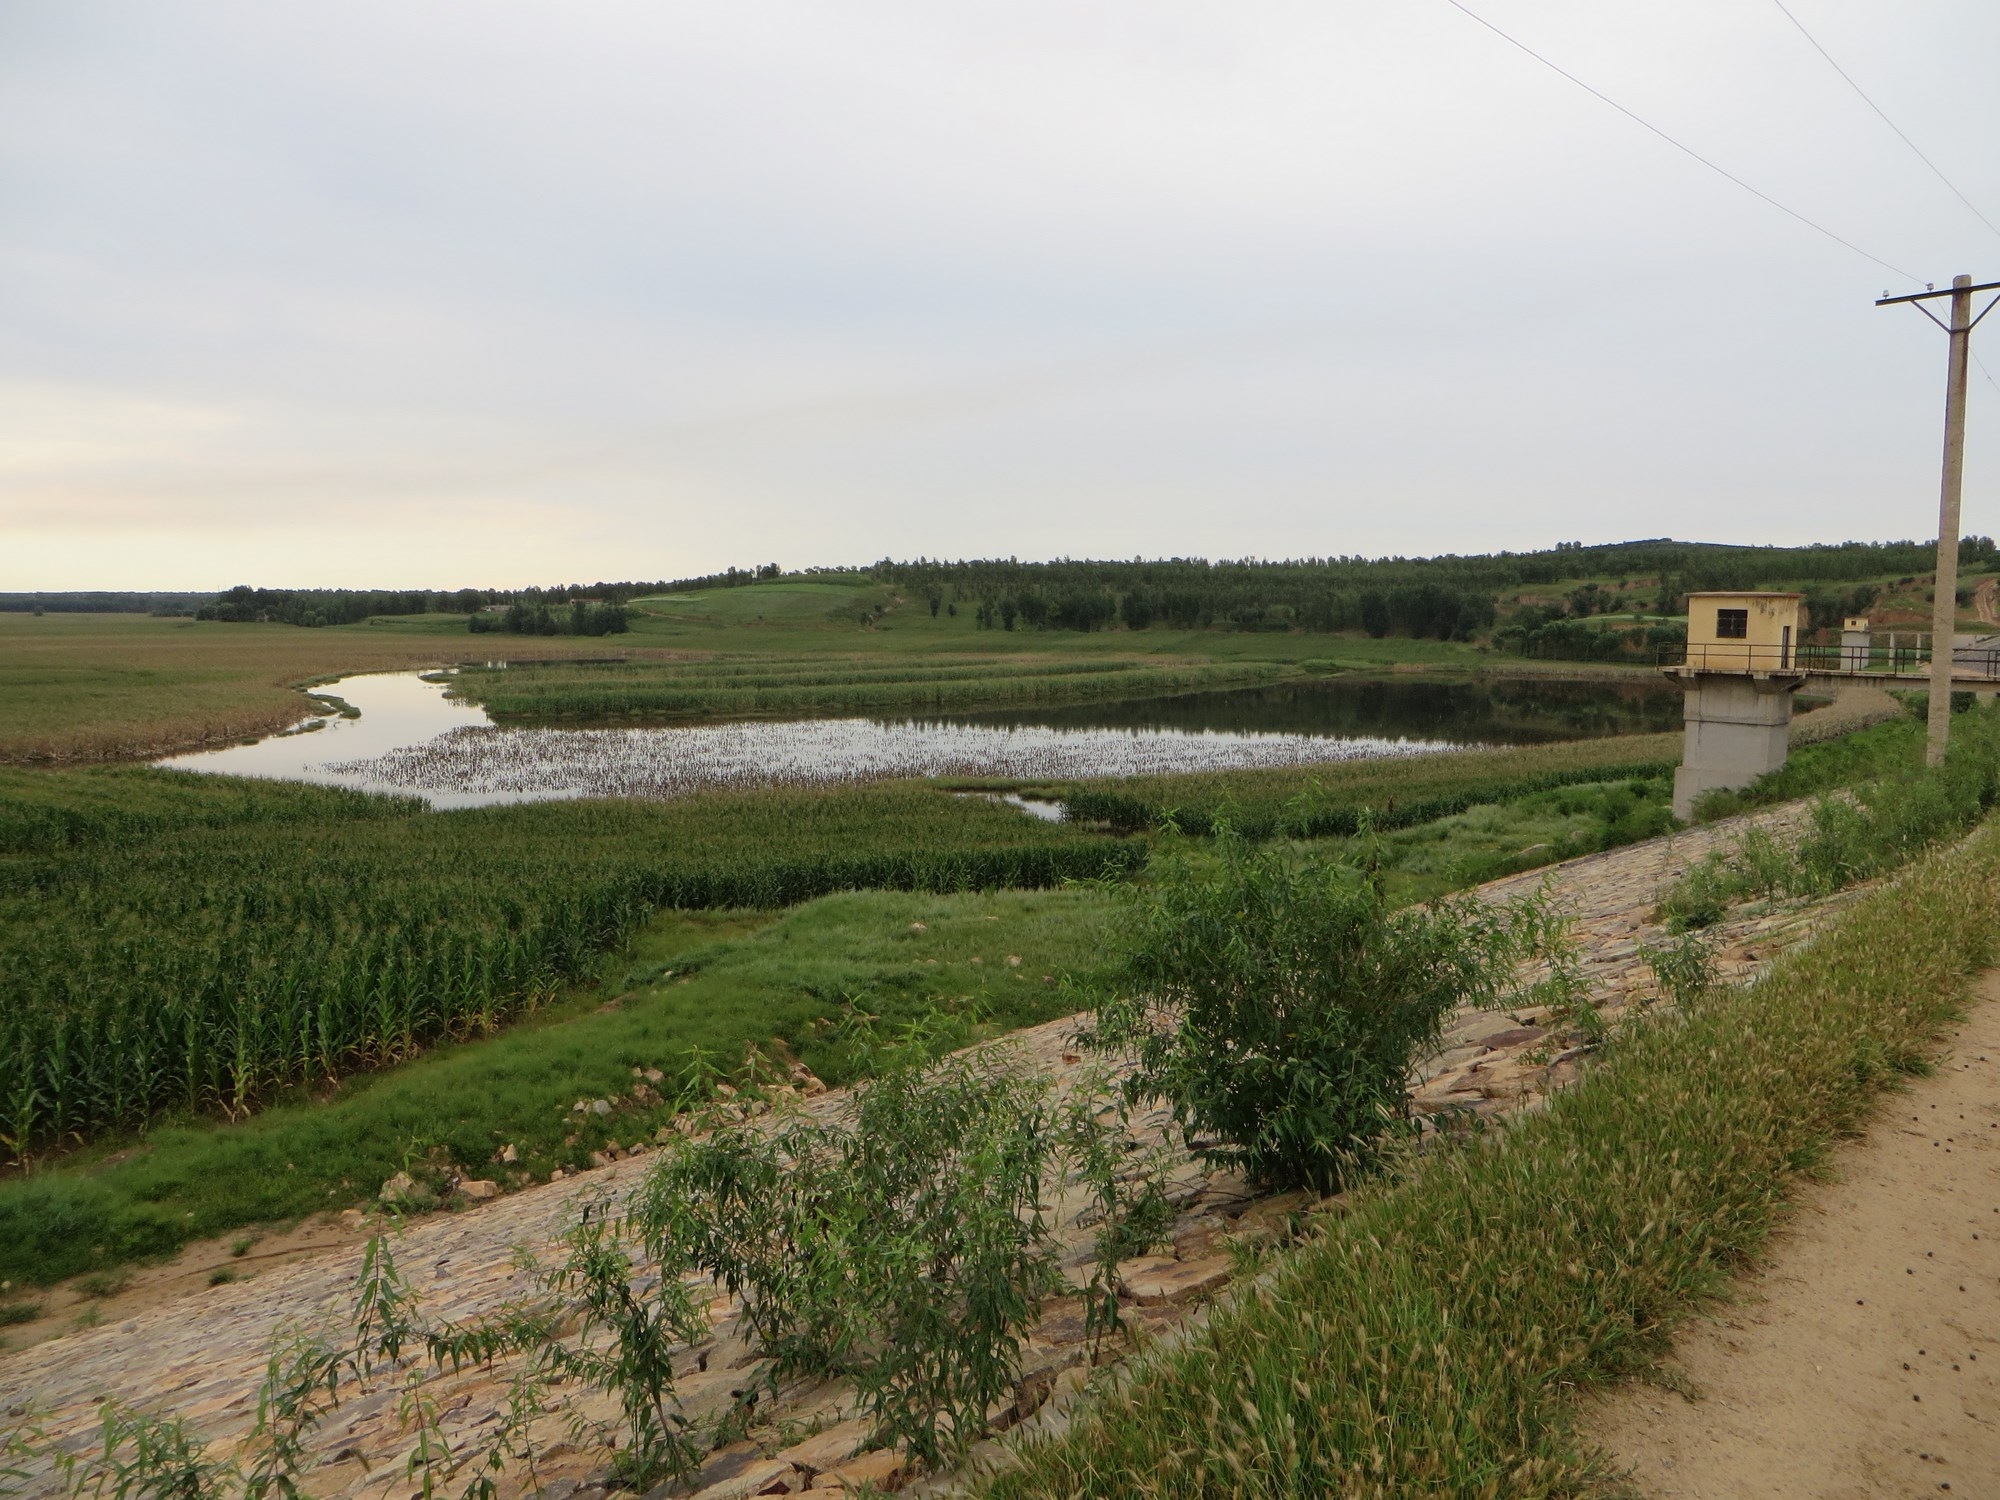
[{"x": 489, "y": 292}]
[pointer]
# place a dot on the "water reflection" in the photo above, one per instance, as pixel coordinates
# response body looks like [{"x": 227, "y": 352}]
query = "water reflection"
[
  {"x": 410, "y": 737},
  {"x": 1493, "y": 710},
  {"x": 396, "y": 710}
]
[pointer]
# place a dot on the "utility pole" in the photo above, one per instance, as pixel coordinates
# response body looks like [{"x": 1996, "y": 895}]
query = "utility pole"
[{"x": 1944, "y": 596}]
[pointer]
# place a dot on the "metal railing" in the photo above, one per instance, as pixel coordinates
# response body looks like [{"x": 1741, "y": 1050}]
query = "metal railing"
[{"x": 1908, "y": 657}]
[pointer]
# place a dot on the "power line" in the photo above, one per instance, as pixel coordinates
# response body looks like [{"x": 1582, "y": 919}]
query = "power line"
[
  {"x": 1678, "y": 146},
  {"x": 1936, "y": 171}
]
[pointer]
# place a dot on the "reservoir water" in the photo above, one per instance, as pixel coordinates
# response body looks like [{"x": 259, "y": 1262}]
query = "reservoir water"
[{"x": 410, "y": 736}]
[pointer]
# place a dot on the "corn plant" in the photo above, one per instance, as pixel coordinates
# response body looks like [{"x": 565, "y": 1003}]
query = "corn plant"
[{"x": 205, "y": 971}]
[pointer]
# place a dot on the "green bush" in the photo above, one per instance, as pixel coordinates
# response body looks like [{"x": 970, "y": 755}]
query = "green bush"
[{"x": 1278, "y": 1006}]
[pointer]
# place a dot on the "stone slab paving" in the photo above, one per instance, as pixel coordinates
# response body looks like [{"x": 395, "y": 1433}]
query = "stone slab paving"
[{"x": 203, "y": 1356}]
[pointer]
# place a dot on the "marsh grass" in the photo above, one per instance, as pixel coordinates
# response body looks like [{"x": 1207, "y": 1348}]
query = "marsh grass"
[
  {"x": 757, "y": 687},
  {"x": 1432, "y": 1338},
  {"x": 1333, "y": 800}
]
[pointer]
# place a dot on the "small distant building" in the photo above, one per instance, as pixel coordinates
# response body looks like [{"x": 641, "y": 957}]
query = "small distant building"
[
  {"x": 1856, "y": 645},
  {"x": 1737, "y": 680}
]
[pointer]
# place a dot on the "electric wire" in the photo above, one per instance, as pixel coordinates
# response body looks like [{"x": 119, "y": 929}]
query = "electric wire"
[
  {"x": 1936, "y": 171},
  {"x": 1677, "y": 145}
]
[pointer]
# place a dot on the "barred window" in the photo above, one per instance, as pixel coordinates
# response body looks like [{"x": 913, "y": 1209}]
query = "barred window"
[{"x": 1732, "y": 624}]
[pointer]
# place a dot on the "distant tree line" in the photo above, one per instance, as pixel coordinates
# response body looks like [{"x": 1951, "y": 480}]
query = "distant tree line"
[
  {"x": 100, "y": 602},
  {"x": 1449, "y": 597}
]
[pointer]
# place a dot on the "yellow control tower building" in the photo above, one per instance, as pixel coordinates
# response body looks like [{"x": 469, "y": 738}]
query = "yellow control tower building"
[{"x": 1737, "y": 681}]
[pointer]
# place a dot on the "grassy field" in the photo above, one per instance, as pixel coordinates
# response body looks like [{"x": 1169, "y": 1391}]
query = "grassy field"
[
  {"x": 1433, "y": 1337},
  {"x": 107, "y": 687}
]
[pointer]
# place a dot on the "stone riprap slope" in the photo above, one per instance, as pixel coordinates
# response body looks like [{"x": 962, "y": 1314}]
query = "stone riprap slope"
[{"x": 202, "y": 1356}]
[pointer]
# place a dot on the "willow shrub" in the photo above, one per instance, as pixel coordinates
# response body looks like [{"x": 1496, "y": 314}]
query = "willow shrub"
[
  {"x": 1430, "y": 1340},
  {"x": 1277, "y": 1005},
  {"x": 904, "y": 1249}
]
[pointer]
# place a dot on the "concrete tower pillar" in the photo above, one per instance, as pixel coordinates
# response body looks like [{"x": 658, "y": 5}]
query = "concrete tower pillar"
[{"x": 1739, "y": 727}]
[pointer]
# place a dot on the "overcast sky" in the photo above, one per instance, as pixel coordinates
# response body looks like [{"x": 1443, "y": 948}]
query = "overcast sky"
[{"x": 483, "y": 292}]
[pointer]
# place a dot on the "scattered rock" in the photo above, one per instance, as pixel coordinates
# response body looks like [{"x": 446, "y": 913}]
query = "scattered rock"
[
  {"x": 918, "y": 927},
  {"x": 398, "y": 1189},
  {"x": 1179, "y": 1282},
  {"x": 764, "y": 1476},
  {"x": 352, "y": 1218},
  {"x": 1142, "y": 1266},
  {"x": 600, "y": 1107},
  {"x": 654, "y": 1075},
  {"x": 829, "y": 1449},
  {"x": 479, "y": 1190},
  {"x": 509, "y": 1155},
  {"x": 882, "y": 1468},
  {"x": 1513, "y": 1037},
  {"x": 1013, "y": 960}
]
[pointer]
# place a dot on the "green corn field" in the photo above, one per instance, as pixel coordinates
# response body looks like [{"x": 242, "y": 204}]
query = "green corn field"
[{"x": 192, "y": 944}]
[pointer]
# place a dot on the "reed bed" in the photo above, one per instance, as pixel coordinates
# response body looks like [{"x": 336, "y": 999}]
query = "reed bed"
[
  {"x": 731, "y": 687},
  {"x": 680, "y": 762},
  {"x": 1431, "y": 1339},
  {"x": 1308, "y": 800},
  {"x": 256, "y": 949}
]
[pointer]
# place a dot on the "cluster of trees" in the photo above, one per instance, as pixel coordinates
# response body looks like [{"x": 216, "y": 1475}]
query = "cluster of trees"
[
  {"x": 1279, "y": 603},
  {"x": 728, "y": 578},
  {"x": 543, "y": 617},
  {"x": 1825, "y": 609},
  {"x": 330, "y": 606},
  {"x": 311, "y": 607},
  {"x": 1565, "y": 638}
]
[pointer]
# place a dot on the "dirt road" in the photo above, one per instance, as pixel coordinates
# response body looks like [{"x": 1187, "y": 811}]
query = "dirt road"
[{"x": 1862, "y": 1359}]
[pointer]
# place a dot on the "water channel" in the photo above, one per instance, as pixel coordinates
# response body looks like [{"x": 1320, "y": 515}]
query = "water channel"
[{"x": 407, "y": 734}]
